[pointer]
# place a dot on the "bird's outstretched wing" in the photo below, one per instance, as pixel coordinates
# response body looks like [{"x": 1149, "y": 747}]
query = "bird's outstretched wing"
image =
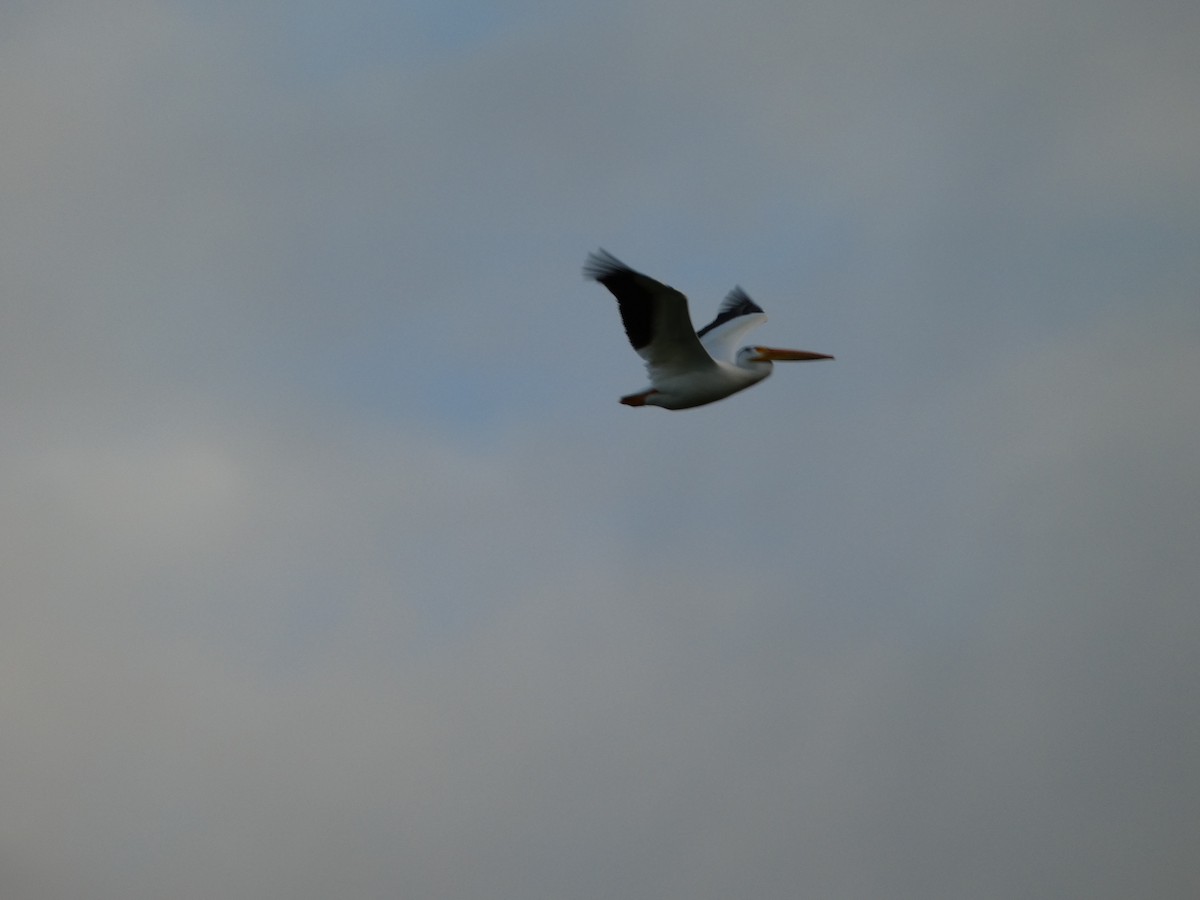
[
  {"x": 737, "y": 315},
  {"x": 655, "y": 316}
]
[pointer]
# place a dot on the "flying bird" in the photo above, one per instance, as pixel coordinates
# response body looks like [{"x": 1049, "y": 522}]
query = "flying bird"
[{"x": 687, "y": 367}]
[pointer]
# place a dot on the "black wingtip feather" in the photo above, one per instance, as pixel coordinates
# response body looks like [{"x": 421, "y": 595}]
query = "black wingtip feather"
[
  {"x": 739, "y": 303},
  {"x": 630, "y": 289},
  {"x": 736, "y": 303},
  {"x": 602, "y": 264}
]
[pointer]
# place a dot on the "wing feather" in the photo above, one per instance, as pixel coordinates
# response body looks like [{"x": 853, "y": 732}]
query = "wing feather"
[
  {"x": 655, "y": 316},
  {"x": 737, "y": 315}
]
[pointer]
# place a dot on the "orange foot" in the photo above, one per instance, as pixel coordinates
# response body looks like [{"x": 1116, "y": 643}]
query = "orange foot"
[{"x": 638, "y": 399}]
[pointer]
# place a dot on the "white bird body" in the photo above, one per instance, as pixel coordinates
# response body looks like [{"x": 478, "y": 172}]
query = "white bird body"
[
  {"x": 682, "y": 390},
  {"x": 687, "y": 368}
]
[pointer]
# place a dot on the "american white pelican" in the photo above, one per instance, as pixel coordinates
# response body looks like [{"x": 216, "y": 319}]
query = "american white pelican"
[{"x": 687, "y": 367}]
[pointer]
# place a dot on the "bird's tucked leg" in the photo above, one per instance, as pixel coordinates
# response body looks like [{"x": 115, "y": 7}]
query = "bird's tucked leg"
[{"x": 638, "y": 399}]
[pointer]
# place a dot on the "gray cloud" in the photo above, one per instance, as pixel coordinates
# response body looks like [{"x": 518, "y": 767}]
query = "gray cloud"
[{"x": 331, "y": 565}]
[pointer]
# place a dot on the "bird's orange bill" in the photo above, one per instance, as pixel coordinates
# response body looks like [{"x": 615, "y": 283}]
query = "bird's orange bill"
[{"x": 770, "y": 353}]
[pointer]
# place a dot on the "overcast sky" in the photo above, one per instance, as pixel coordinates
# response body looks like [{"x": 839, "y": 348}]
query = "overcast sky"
[{"x": 331, "y": 566}]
